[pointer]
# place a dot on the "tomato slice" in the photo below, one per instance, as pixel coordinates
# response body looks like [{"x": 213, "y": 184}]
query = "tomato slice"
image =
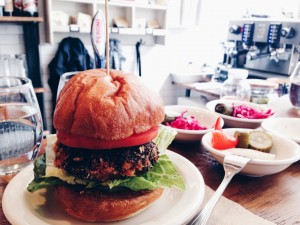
[
  {"x": 77, "y": 141},
  {"x": 221, "y": 142},
  {"x": 218, "y": 124}
]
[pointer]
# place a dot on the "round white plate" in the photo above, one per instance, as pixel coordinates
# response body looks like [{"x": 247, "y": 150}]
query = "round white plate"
[
  {"x": 285, "y": 127},
  {"x": 174, "y": 207},
  {"x": 234, "y": 122}
]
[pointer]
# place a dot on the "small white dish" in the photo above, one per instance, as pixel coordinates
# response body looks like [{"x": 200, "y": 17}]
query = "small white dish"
[
  {"x": 205, "y": 118},
  {"x": 21, "y": 207},
  {"x": 286, "y": 152},
  {"x": 234, "y": 122},
  {"x": 285, "y": 127}
]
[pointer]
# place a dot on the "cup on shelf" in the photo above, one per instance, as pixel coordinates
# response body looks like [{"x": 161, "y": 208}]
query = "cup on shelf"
[
  {"x": 4, "y": 65},
  {"x": 13, "y": 65}
]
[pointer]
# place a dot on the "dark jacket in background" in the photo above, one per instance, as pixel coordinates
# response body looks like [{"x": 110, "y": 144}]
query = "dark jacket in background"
[{"x": 71, "y": 56}]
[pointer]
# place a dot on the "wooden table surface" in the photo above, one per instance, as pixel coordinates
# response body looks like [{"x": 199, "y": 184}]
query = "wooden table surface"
[{"x": 274, "y": 197}]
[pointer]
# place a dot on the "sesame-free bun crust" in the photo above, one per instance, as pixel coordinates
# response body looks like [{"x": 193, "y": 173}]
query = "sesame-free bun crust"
[
  {"x": 91, "y": 205},
  {"x": 108, "y": 107}
]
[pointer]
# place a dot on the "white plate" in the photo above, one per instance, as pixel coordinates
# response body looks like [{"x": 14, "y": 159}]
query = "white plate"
[
  {"x": 174, "y": 207},
  {"x": 204, "y": 117},
  {"x": 285, "y": 127},
  {"x": 286, "y": 152},
  {"x": 235, "y": 122}
]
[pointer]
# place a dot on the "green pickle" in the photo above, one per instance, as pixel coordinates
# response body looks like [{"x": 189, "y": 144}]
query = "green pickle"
[
  {"x": 260, "y": 141},
  {"x": 243, "y": 139},
  {"x": 256, "y": 140},
  {"x": 224, "y": 109}
]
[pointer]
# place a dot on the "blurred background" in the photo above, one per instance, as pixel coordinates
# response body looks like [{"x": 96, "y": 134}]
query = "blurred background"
[{"x": 153, "y": 39}]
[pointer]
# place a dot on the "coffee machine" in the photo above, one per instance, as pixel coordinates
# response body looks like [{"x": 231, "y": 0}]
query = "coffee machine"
[{"x": 265, "y": 46}]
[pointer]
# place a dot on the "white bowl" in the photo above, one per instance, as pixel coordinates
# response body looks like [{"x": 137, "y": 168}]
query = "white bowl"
[
  {"x": 286, "y": 152},
  {"x": 204, "y": 117},
  {"x": 285, "y": 127},
  {"x": 235, "y": 122}
]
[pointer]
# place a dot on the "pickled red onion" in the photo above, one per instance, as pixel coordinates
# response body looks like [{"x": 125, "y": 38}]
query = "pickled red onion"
[
  {"x": 247, "y": 112},
  {"x": 186, "y": 123}
]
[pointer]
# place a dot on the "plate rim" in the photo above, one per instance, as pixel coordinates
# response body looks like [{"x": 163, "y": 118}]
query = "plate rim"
[{"x": 27, "y": 173}]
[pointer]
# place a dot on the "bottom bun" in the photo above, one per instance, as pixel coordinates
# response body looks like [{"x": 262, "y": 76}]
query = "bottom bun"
[{"x": 95, "y": 205}]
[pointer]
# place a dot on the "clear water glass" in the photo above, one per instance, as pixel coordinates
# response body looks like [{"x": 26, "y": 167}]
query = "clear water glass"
[{"x": 21, "y": 127}]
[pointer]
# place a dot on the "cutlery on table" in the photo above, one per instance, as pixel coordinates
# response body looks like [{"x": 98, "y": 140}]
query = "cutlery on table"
[{"x": 232, "y": 164}]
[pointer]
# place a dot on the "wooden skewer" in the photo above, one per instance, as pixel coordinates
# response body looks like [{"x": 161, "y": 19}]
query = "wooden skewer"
[{"x": 107, "y": 37}]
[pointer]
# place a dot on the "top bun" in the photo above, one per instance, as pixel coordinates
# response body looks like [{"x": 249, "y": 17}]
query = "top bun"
[{"x": 108, "y": 107}]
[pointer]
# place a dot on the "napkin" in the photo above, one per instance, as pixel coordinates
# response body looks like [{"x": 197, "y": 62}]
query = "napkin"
[{"x": 227, "y": 212}]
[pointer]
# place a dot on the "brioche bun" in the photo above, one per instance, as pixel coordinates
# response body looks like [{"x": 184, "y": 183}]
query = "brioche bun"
[
  {"x": 108, "y": 107},
  {"x": 92, "y": 205}
]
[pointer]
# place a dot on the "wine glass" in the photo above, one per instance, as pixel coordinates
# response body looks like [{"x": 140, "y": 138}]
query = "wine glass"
[
  {"x": 21, "y": 127},
  {"x": 294, "y": 92},
  {"x": 64, "y": 79}
]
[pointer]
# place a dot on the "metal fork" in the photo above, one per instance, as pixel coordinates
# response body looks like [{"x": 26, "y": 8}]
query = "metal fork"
[{"x": 232, "y": 164}]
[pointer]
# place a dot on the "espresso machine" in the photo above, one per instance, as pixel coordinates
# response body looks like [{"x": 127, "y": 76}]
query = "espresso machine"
[{"x": 264, "y": 46}]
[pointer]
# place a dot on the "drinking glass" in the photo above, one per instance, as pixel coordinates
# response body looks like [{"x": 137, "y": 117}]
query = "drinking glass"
[
  {"x": 21, "y": 127},
  {"x": 4, "y": 65},
  {"x": 236, "y": 86},
  {"x": 294, "y": 91},
  {"x": 63, "y": 80}
]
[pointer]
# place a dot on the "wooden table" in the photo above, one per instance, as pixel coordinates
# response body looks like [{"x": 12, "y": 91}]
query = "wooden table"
[{"x": 274, "y": 197}]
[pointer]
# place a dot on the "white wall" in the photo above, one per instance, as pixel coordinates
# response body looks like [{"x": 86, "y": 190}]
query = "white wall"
[{"x": 11, "y": 39}]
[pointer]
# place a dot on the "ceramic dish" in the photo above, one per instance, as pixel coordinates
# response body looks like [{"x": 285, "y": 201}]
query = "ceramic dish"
[
  {"x": 286, "y": 152},
  {"x": 235, "y": 122},
  {"x": 21, "y": 207},
  {"x": 285, "y": 127},
  {"x": 204, "y": 117}
]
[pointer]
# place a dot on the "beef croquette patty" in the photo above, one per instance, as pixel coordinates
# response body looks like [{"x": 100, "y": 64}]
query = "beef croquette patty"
[{"x": 106, "y": 164}]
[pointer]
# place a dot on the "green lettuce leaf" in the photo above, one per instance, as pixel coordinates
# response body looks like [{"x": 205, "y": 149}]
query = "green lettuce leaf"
[
  {"x": 39, "y": 168},
  {"x": 162, "y": 175},
  {"x": 164, "y": 137},
  {"x": 37, "y": 184}
]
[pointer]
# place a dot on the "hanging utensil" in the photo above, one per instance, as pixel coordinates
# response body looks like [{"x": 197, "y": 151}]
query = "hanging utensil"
[{"x": 138, "y": 56}]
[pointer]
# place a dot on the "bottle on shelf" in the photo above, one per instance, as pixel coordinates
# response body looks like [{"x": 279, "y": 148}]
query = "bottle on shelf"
[
  {"x": 8, "y": 7},
  {"x": 18, "y": 8},
  {"x": 30, "y": 8}
]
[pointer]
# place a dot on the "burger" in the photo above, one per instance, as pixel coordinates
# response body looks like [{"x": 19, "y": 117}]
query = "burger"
[{"x": 106, "y": 161}]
